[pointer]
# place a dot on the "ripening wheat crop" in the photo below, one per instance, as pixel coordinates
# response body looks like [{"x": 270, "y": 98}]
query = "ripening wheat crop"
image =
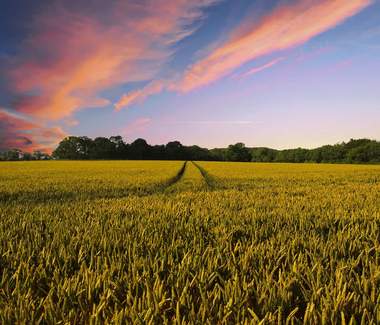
[{"x": 200, "y": 243}]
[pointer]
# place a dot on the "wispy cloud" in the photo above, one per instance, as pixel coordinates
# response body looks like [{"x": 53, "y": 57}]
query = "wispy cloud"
[
  {"x": 140, "y": 95},
  {"x": 260, "y": 68},
  {"x": 287, "y": 26},
  {"x": 137, "y": 126},
  {"x": 72, "y": 55},
  {"x": 19, "y": 132},
  {"x": 215, "y": 122},
  {"x": 157, "y": 86}
]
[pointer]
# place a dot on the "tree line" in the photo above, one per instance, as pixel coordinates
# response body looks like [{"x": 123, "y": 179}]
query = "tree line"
[
  {"x": 17, "y": 154},
  {"x": 85, "y": 148},
  {"x": 354, "y": 151}
]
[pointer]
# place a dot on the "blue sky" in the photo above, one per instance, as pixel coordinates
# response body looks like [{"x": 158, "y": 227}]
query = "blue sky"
[{"x": 272, "y": 73}]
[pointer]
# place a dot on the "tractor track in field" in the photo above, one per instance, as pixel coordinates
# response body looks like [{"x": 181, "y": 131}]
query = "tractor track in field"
[
  {"x": 174, "y": 179},
  {"x": 62, "y": 197},
  {"x": 210, "y": 180}
]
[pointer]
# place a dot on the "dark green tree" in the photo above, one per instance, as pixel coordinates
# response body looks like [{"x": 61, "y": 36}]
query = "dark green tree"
[
  {"x": 238, "y": 152},
  {"x": 175, "y": 151},
  {"x": 73, "y": 148},
  {"x": 263, "y": 154},
  {"x": 139, "y": 149},
  {"x": 102, "y": 148}
]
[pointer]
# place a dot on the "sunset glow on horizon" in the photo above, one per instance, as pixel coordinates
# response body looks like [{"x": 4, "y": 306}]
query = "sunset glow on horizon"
[{"x": 297, "y": 73}]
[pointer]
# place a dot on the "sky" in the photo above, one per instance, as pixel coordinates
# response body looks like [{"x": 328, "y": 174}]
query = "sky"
[{"x": 274, "y": 73}]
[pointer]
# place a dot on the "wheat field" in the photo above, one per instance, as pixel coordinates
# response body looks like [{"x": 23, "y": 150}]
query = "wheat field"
[{"x": 154, "y": 242}]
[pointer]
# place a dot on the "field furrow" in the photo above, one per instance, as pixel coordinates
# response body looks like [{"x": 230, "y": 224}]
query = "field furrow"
[
  {"x": 65, "y": 181},
  {"x": 191, "y": 180},
  {"x": 266, "y": 243},
  {"x": 210, "y": 180}
]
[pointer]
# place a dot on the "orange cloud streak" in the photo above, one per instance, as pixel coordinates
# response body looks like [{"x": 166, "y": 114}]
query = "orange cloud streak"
[
  {"x": 17, "y": 132},
  {"x": 286, "y": 27},
  {"x": 72, "y": 56},
  {"x": 140, "y": 95}
]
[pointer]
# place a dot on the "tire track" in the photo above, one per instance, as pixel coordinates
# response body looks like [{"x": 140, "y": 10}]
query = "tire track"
[
  {"x": 61, "y": 197},
  {"x": 210, "y": 180},
  {"x": 176, "y": 178}
]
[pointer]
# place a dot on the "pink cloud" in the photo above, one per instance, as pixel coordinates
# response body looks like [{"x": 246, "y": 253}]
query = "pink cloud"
[
  {"x": 71, "y": 56},
  {"x": 137, "y": 127},
  {"x": 18, "y": 132},
  {"x": 261, "y": 68},
  {"x": 287, "y": 26},
  {"x": 140, "y": 95},
  {"x": 71, "y": 122}
]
